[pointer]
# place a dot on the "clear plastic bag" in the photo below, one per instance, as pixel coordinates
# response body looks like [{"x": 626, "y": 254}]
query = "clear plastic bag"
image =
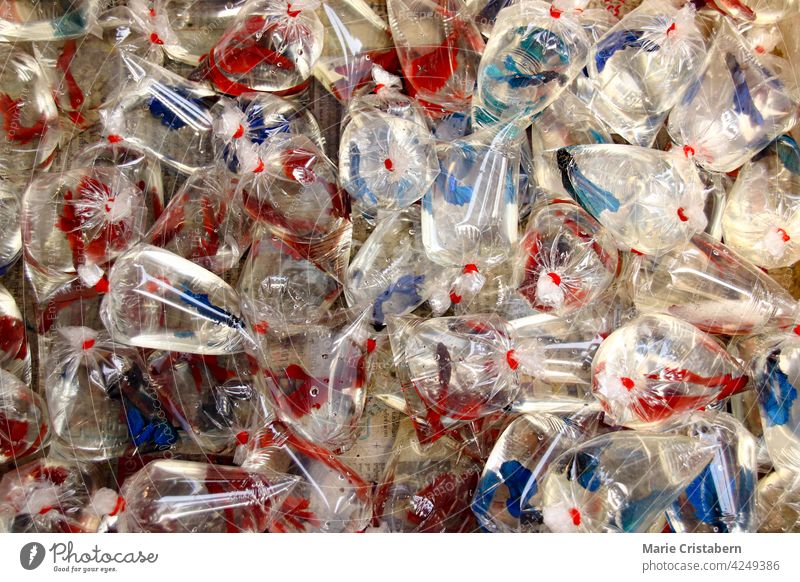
[
  {"x": 27, "y": 20},
  {"x": 613, "y": 183},
  {"x": 387, "y": 156},
  {"x": 558, "y": 350},
  {"x": 762, "y": 216},
  {"x": 620, "y": 482},
  {"x": 774, "y": 360},
  {"x": 76, "y": 222},
  {"x": 710, "y": 286},
  {"x": 469, "y": 217},
  {"x": 14, "y": 356},
  {"x": 244, "y": 128},
  {"x": 565, "y": 261},
  {"x": 10, "y": 237},
  {"x": 280, "y": 287},
  {"x": 535, "y": 51},
  {"x": 24, "y": 426},
  {"x": 271, "y": 45},
  {"x": 509, "y": 495},
  {"x": 52, "y": 496},
  {"x": 738, "y": 105},
  {"x": 184, "y": 496},
  {"x": 642, "y": 66},
  {"x": 391, "y": 271},
  {"x": 317, "y": 375},
  {"x": 426, "y": 489},
  {"x": 461, "y": 367},
  {"x": 100, "y": 399},
  {"x": 330, "y": 496},
  {"x": 30, "y": 132},
  {"x": 212, "y": 398},
  {"x": 186, "y": 29},
  {"x": 658, "y": 368},
  {"x": 356, "y": 39},
  {"x": 439, "y": 48},
  {"x": 202, "y": 225},
  {"x": 87, "y": 71},
  {"x": 159, "y": 300},
  {"x": 722, "y": 499},
  {"x": 163, "y": 113},
  {"x": 294, "y": 189},
  {"x": 778, "y": 497},
  {"x": 139, "y": 167},
  {"x": 761, "y": 11},
  {"x": 566, "y": 122}
]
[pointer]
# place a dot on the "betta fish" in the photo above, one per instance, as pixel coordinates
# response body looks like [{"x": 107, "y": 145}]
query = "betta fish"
[
  {"x": 593, "y": 198},
  {"x": 207, "y": 310},
  {"x": 621, "y": 40},
  {"x": 776, "y": 394},
  {"x": 742, "y": 99},
  {"x": 405, "y": 289}
]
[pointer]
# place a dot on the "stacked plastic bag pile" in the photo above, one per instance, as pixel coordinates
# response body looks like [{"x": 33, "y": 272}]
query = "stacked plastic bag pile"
[{"x": 530, "y": 292}]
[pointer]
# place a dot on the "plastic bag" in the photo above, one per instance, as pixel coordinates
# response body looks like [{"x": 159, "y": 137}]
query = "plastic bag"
[
  {"x": 100, "y": 398},
  {"x": 566, "y": 260},
  {"x": 760, "y": 221},
  {"x": 439, "y": 48},
  {"x": 387, "y": 156},
  {"x": 201, "y": 224},
  {"x": 620, "y": 482},
  {"x": 658, "y": 368},
  {"x": 642, "y": 66},
  {"x": 317, "y": 375},
  {"x": 24, "y": 426},
  {"x": 356, "y": 39},
  {"x": 612, "y": 182},
  {"x": 271, "y": 45},
  {"x": 391, "y": 271},
  {"x": 159, "y": 300},
  {"x": 535, "y": 51},
  {"x": 330, "y": 496},
  {"x": 183, "y": 496},
  {"x": 163, "y": 113},
  {"x": 738, "y": 105},
  {"x": 26, "y": 20},
  {"x": 28, "y": 112},
  {"x": 426, "y": 488},
  {"x": 76, "y": 222},
  {"x": 710, "y": 286}
]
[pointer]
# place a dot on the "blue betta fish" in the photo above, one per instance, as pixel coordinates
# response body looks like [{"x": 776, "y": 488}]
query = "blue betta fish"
[
  {"x": 454, "y": 192},
  {"x": 71, "y": 23},
  {"x": 405, "y": 290},
  {"x": 358, "y": 186},
  {"x": 584, "y": 470},
  {"x": 257, "y": 129},
  {"x": 702, "y": 494},
  {"x": 173, "y": 106},
  {"x": 742, "y": 99},
  {"x": 203, "y": 305},
  {"x": 519, "y": 481},
  {"x": 776, "y": 394},
  {"x": 147, "y": 430},
  {"x": 149, "y": 433},
  {"x": 788, "y": 153},
  {"x": 518, "y": 79},
  {"x": 593, "y": 198},
  {"x": 621, "y": 40}
]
